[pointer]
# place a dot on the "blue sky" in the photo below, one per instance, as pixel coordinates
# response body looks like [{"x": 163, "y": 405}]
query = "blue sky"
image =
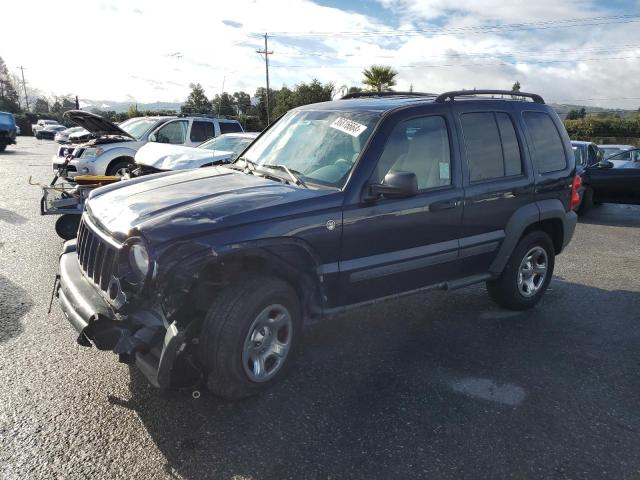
[{"x": 146, "y": 50}]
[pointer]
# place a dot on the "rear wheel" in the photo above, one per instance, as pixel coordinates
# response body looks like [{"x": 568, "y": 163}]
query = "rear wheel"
[
  {"x": 2, "y": 148},
  {"x": 38, "y": 136},
  {"x": 67, "y": 226},
  {"x": 249, "y": 336},
  {"x": 120, "y": 168},
  {"x": 527, "y": 273}
]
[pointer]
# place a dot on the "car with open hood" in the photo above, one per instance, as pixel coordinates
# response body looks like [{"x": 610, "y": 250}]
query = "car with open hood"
[
  {"x": 157, "y": 157},
  {"x": 209, "y": 274},
  {"x": 113, "y": 148}
]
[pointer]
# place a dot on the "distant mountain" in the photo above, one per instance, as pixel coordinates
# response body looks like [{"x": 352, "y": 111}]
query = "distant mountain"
[{"x": 118, "y": 107}]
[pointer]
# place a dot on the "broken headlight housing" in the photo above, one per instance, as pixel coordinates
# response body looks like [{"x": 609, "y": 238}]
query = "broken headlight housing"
[{"x": 138, "y": 259}]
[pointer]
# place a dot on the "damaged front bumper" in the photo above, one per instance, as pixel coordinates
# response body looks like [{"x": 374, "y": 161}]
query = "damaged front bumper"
[{"x": 141, "y": 337}]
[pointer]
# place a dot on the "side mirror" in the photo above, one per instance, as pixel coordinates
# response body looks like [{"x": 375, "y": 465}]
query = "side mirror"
[
  {"x": 604, "y": 164},
  {"x": 396, "y": 185},
  {"x": 153, "y": 138}
]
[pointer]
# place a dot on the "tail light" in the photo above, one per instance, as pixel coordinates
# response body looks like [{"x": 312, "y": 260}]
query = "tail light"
[{"x": 575, "y": 197}]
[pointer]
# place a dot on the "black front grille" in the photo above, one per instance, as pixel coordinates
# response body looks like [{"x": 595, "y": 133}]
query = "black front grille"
[{"x": 97, "y": 257}]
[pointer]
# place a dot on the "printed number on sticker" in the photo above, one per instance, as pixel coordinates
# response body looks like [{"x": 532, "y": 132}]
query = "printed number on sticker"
[{"x": 348, "y": 126}]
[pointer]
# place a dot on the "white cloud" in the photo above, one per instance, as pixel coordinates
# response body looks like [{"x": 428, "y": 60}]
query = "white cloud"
[{"x": 149, "y": 50}]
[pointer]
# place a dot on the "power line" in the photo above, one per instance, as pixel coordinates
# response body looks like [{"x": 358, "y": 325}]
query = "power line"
[
  {"x": 477, "y": 64},
  {"x": 542, "y": 25}
]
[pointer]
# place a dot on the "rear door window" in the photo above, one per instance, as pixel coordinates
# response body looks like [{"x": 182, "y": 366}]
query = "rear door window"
[
  {"x": 173, "y": 132},
  {"x": 229, "y": 127},
  {"x": 548, "y": 148},
  {"x": 491, "y": 145},
  {"x": 201, "y": 131}
]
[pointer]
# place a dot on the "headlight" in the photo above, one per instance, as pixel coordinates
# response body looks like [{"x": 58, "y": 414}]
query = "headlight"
[
  {"x": 139, "y": 260},
  {"x": 92, "y": 152}
]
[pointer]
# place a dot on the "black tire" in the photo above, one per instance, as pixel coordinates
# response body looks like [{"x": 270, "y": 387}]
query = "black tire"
[
  {"x": 505, "y": 290},
  {"x": 226, "y": 329},
  {"x": 38, "y": 136},
  {"x": 587, "y": 200},
  {"x": 67, "y": 226},
  {"x": 2, "y": 148},
  {"x": 119, "y": 166}
]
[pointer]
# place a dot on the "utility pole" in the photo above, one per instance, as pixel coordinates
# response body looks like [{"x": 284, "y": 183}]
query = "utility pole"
[
  {"x": 221, "y": 93},
  {"x": 77, "y": 103},
  {"x": 24, "y": 87},
  {"x": 266, "y": 53}
]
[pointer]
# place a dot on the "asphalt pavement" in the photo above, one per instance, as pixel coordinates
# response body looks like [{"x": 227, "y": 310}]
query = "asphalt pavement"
[{"x": 437, "y": 385}]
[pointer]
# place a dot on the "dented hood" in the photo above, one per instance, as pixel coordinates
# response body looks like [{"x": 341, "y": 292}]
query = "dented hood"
[
  {"x": 175, "y": 204},
  {"x": 177, "y": 157},
  {"x": 95, "y": 124}
]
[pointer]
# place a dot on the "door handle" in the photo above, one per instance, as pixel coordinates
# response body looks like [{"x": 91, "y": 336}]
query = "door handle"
[{"x": 445, "y": 204}]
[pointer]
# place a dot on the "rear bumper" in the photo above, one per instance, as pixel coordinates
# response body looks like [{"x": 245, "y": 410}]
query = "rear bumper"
[{"x": 140, "y": 337}]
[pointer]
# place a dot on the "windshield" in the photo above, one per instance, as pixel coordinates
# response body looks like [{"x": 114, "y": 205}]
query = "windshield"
[
  {"x": 137, "y": 127},
  {"x": 609, "y": 151},
  {"x": 320, "y": 146},
  {"x": 626, "y": 155},
  {"x": 227, "y": 144}
]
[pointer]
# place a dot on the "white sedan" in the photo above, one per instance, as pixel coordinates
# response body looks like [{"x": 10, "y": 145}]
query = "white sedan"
[{"x": 161, "y": 157}]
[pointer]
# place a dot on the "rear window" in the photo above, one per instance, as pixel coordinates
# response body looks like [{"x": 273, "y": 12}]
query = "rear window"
[
  {"x": 201, "y": 131},
  {"x": 492, "y": 147},
  {"x": 229, "y": 127},
  {"x": 548, "y": 148}
]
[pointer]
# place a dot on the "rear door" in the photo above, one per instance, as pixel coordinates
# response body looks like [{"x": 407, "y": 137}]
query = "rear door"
[
  {"x": 619, "y": 184},
  {"x": 497, "y": 180},
  {"x": 397, "y": 245}
]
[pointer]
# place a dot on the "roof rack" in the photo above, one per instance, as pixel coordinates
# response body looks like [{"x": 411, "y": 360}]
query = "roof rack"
[
  {"x": 389, "y": 93},
  {"x": 203, "y": 115},
  {"x": 443, "y": 97}
]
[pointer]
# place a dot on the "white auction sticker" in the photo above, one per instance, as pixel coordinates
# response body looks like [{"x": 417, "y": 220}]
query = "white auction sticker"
[{"x": 348, "y": 126}]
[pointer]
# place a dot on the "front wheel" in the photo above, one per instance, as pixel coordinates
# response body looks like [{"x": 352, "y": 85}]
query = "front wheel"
[
  {"x": 527, "y": 273},
  {"x": 249, "y": 336},
  {"x": 120, "y": 168},
  {"x": 2, "y": 148}
]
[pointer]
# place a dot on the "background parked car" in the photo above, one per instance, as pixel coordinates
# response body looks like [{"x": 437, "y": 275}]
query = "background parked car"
[
  {"x": 586, "y": 155},
  {"x": 63, "y": 136},
  {"x": 7, "y": 130},
  {"x": 609, "y": 150},
  {"x": 155, "y": 157},
  {"x": 113, "y": 149},
  {"x": 49, "y": 132},
  {"x": 40, "y": 124},
  {"x": 615, "y": 179}
]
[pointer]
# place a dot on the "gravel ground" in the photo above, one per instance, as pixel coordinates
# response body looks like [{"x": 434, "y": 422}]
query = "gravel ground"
[{"x": 440, "y": 385}]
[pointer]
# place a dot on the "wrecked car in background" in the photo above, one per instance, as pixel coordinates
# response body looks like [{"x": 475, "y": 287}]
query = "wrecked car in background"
[
  {"x": 114, "y": 147},
  {"x": 157, "y": 157}
]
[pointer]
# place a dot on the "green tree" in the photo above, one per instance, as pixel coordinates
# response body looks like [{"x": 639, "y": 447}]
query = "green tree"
[
  {"x": 379, "y": 78},
  {"x": 41, "y": 106},
  {"x": 197, "y": 101},
  {"x": 242, "y": 101},
  {"x": 9, "y": 98},
  {"x": 574, "y": 114},
  {"x": 223, "y": 105},
  {"x": 515, "y": 87}
]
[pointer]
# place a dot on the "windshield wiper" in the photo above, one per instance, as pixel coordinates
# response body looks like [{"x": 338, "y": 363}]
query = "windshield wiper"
[
  {"x": 248, "y": 165},
  {"x": 294, "y": 174}
]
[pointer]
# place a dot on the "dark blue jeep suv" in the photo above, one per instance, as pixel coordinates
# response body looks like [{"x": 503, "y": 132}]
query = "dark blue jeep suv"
[{"x": 210, "y": 274}]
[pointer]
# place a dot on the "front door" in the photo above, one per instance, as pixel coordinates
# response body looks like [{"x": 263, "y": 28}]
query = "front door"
[
  {"x": 620, "y": 184},
  {"x": 396, "y": 245}
]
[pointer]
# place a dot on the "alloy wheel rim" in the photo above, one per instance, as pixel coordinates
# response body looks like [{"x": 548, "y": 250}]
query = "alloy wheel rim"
[
  {"x": 533, "y": 271},
  {"x": 267, "y": 343}
]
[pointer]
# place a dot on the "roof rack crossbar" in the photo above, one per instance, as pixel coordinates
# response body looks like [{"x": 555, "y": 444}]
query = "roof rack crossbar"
[
  {"x": 443, "y": 97},
  {"x": 389, "y": 93}
]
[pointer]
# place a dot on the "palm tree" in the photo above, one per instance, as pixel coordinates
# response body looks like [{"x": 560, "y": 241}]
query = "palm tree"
[{"x": 379, "y": 77}]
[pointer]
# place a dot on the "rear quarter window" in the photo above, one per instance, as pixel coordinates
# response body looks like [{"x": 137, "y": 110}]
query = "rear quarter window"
[
  {"x": 548, "y": 148},
  {"x": 230, "y": 127}
]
